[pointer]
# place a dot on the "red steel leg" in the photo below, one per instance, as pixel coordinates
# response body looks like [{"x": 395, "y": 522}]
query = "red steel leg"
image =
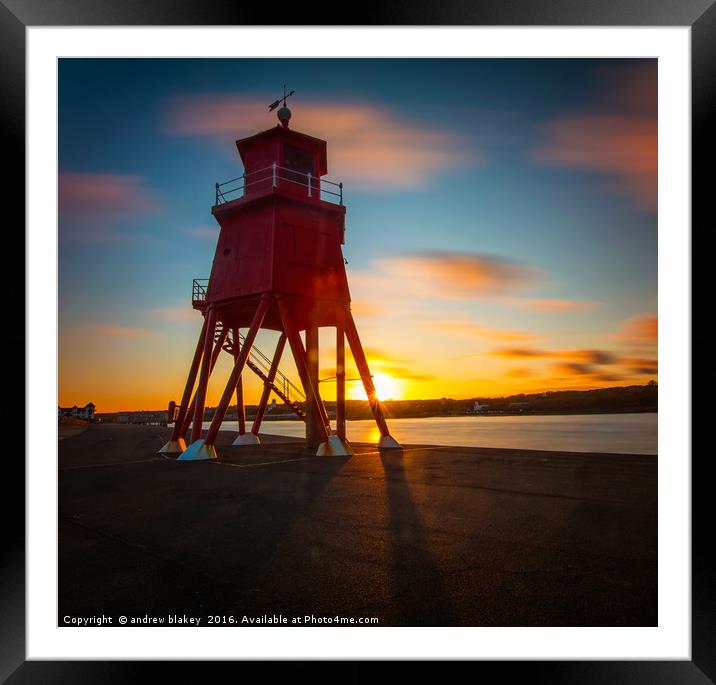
[
  {"x": 312, "y": 367},
  {"x": 341, "y": 379},
  {"x": 236, "y": 372},
  {"x": 192, "y": 407},
  {"x": 191, "y": 379},
  {"x": 240, "y": 412},
  {"x": 364, "y": 371},
  {"x": 261, "y": 409},
  {"x": 312, "y": 434},
  {"x": 299, "y": 357},
  {"x": 204, "y": 377}
]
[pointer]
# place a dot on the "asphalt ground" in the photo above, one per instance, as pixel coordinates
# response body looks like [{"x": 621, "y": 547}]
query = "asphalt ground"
[{"x": 423, "y": 536}]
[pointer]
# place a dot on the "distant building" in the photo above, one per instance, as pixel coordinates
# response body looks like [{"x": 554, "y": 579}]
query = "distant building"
[
  {"x": 75, "y": 412},
  {"x": 518, "y": 406},
  {"x": 271, "y": 406},
  {"x": 478, "y": 408}
]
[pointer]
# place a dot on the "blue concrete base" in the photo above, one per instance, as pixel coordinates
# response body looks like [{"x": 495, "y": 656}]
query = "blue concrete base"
[
  {"x": 247, "y": 439},
  {"x": 198, "y": 451},
  {"x": 388, "y": 442}
]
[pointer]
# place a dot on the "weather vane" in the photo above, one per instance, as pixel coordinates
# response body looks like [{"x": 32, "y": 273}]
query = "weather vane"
[{"x": 276, "y": 103}]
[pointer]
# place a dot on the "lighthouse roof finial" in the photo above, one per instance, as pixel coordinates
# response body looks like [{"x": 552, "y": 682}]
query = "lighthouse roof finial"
[{"x": 284, "y": 114}]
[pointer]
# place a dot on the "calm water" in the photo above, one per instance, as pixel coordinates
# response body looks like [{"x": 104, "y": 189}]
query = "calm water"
[{"x": 616, "y": 433}]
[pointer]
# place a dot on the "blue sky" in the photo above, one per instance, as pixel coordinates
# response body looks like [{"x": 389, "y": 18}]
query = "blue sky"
[{"x": 452, "y": 169}]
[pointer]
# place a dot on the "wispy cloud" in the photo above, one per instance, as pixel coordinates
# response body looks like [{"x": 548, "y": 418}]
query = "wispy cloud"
[
  {"x": 179, "y": 314},
  {"x": 207, "y": 233},
  {"x": 405, "y": 373},
  {"x": 577, "y": 356},
  {"x": 642, "y": 365},
  {"x": 616, "y": 138},
  {"x": 371, "y": 147},
  {"x": 519, "y": 372},
  {"x": 521, "y": 352},
  {"x": 112, "y": 197},
  {"x": 552, "y": 305},
  {"x": 622, "y": 147},
  {"x": 366, "y": 309},
  {"x": 639, "y": 331},
  {"x": 406, "y": 369},
  {"x": 586, "y": 364},
  {"x": 573, "y": 368},
  {"x": 122, "y": 331},
  {"x": 458, "y": 275},
  {"x": 471, "y": 329},
  {"x": 591, "y": 356},
  {"x": 91, "y": 205}
]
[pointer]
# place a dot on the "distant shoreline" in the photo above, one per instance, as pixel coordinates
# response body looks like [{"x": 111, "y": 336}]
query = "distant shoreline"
[
  {"x": 280, "y": 418},
  {"x": 575, "y": 412},
  {"x": 618, "y": 400}
]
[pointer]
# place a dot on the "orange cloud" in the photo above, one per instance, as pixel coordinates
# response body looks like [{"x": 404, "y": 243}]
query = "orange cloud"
[
  {"x": 603, "y": 377},
  {"x": 405, "y": 369},
  {"x": 90, "y": 204},
  {"x": 573, "y": 368},
  {"x": 519, "y": 352},
  {"x": 590, "y": 356},
  {"x": 370, "y": 146},
  {"x": 122, "y": 331},
  {"x": 640, "y": 330},
  {"x": 176, "y": 314},
  {"x": 471, "y": 329},
  {"x": 456, "y": 275},
  {"x": 582, "y": 356},
  {"x": 365, "y": 308},
  {"x": 405, "y": 373},
  {"x": 202, "y": 232},
  {"x": 617, "y": 136},
  {"x": 642, "y": 366},
  {"x": 104, "y": 197},
  {"x": 553, "y": 305},
  {"x": 624, "y": 147},
  {"x": 375, "y": 354},
  {"x": 520, "y": 372}
]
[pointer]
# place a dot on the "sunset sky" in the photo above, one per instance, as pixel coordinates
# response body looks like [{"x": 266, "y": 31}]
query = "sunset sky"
[{"x": 501, "y": 228}]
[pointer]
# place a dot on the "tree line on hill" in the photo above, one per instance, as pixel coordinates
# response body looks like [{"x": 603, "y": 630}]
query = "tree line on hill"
[{"x": 636, "y": 398}]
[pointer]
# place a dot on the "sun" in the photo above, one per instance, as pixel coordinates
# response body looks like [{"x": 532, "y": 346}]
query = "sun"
[{"x": 386, "y": 387}]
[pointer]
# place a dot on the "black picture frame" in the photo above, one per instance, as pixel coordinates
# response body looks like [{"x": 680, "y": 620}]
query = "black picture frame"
[{"x": 700, "y": 15}]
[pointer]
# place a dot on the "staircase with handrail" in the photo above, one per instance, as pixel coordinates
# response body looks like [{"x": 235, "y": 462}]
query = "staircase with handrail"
[{"x": 260, "y": 364}]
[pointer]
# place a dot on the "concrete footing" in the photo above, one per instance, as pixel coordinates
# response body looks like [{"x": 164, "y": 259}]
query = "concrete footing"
[
  {"x": 388, "y": 442},
  {"x": 198, "y": 451},
  {"x": 247, "y": 439},
  {"x": 173, "y": 447},
  {"x": 334, "y": 447}
]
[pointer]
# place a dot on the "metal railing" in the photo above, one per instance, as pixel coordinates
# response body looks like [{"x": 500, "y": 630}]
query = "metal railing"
[
  {"x": 199, "y": 287},
  {"x": 235, "y": 188}
]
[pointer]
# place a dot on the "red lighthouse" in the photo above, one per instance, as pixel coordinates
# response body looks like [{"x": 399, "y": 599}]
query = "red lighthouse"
[{"x": 278, "y": 265}]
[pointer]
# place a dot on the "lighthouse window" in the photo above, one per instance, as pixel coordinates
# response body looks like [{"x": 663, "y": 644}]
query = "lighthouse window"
[{"x": 298, "y": 161}]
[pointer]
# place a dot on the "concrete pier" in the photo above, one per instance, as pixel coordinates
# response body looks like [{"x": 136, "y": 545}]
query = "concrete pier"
[{"x": 442, "y": 536}]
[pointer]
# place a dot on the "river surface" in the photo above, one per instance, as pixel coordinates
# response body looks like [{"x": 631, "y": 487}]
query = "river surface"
[{"x": 613, "y": 433}]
